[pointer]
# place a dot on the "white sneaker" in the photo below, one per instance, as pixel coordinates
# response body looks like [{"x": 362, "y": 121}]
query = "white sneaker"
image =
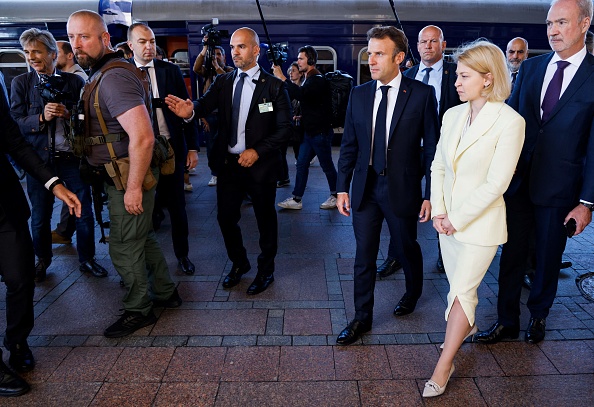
[
  {"x": 188, "y": 187},
  {"x": 213, "y": 181},
  {"x": 291, "y": 203},
  {"x": 330, "y": 203}
]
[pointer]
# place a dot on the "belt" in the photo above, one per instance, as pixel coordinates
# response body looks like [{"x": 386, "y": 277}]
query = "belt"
[{"x": 64, "y": 155}]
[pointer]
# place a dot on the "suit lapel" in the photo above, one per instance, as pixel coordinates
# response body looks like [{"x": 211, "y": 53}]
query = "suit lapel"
[
  {"x": 259, "y": 88},
  {"x": 583, "y": 73},
  {"x": 161, "y": 80},
  {"x": 455, "y": 132},
  {"x": 368, "y": 109},
  {"x": 229, "y": 95},
  {"x": 536, "y": 84},
  {"x": 403, "y": 95},
  {"x": 481, "y": 124}
]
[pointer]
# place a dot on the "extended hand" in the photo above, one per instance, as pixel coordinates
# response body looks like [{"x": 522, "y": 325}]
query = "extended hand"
[{"x": 181, "y": 108}]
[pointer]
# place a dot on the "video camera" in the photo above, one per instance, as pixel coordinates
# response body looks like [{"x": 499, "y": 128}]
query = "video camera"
[
  {"x": 214, "y": 35},
  {"x": 49, "y": 89},
  {"x": 278, "y": 53}
]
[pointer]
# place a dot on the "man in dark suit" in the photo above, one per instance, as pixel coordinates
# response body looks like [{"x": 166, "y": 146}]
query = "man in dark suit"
[
  {"x": 166, "y": 78},
  {"x": 553, "y": 186},
  {"x": 43, "y": 118},
  {"x": 254, "y": 114},
  {"x": 386, "y": 121},
  {"x": 434, "y": 71},
  {"x": 17, "y": 260}
]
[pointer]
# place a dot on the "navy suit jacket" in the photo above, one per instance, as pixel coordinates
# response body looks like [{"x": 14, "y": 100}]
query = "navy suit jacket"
[
  {"x": 264, "y": 132},
  {"x": 414, "y": 119},
  {"x": 449, "y": 97},
  {"x": 13, "y": 204},
  {"x": 558, "y": 155},
  {"x": 26, "y": 106},
  {"x": 184, "y": 136}
]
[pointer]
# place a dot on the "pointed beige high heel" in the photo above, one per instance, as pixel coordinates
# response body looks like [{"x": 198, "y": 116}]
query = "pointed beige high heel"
[{"x": 433, "y": 389}]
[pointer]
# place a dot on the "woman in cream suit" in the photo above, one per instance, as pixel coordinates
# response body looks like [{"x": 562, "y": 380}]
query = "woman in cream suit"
[{"x": 475, "y": 159}]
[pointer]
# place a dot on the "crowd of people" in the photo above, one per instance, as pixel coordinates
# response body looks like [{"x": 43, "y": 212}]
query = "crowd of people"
[{"x": 505, "y": 145}]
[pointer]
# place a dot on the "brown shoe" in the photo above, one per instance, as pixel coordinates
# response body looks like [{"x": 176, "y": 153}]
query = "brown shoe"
[{"x": 59, "y": 239}]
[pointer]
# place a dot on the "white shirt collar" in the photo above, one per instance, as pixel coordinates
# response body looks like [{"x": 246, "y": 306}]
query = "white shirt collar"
[
  {"x": 149, "y": 65},
  {"x": 576, "y": 59},
  {"x": 252, "y": 73},
  {"x": 437, "y": 67},
  {"x": 394, "y": 83}
]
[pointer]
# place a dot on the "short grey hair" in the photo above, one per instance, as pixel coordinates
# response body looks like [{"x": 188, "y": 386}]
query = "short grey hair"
[{"x": 42, "y": 36}]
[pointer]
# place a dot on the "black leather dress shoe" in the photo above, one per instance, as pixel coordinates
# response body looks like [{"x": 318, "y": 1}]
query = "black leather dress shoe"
[
  {"x": 352, "y": 332},
  {"x": 11, "y": 385},
  {"x": 260, "y": 284},
  {"x": 41, "y": 270},
  {"x": 186, "y": 266},
  {"x": 235, "y": 274},
  {"x": 497, "y": 333},
  {"x": 388, "y": 267},
  {"x": 21, "y": 358},
  {"x": 536, "y": 330},
  {"x": 527, "y": 281},
  {"x": 405, "y": 306},
  {"x": 173, "y": 301},
  {"x": 94, "y": 268}
]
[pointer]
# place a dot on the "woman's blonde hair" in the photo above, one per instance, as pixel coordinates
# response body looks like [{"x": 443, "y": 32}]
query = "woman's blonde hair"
[{"x": 485, "y": 57}]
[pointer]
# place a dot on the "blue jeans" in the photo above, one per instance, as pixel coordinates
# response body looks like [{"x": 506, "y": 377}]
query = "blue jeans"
[
  {"x": 42, "y": 202},
  {"x": 321, "y": 145}
]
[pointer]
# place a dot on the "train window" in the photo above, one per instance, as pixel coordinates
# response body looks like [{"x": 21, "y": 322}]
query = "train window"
[
  {"x": 12, "y": 63},
  {"x": 180, "y": 58},
  {"x": 326, "y": 59},
  {"x": 363, "y": 74}
]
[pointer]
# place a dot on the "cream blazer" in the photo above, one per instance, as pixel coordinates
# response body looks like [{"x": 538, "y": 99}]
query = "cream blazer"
[{"x": 469, "y": 174}]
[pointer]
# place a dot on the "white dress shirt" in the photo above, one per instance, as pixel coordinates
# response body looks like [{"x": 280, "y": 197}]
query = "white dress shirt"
[
  {"x": 163, "y": 129},
  {"x": 249, "y": 85},
  {"x": 392, "y": 96}
]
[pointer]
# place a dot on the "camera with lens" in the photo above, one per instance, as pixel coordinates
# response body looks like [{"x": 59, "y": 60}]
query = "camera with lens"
[
  {"x": 213, "y": 36},
  {"x": 278, "y": 53},
  {"x": 49, "y": 89}
]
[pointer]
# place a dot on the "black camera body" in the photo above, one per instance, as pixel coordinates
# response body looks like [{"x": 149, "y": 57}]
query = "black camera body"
[
  {"x": 214, "y": 35},
  {"x": 49, "y": 89},
  {"x": 278, "y": 53}
]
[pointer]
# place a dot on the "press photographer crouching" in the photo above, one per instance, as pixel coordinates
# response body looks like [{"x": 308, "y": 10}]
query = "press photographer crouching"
[{"x": 41, "y": 101}]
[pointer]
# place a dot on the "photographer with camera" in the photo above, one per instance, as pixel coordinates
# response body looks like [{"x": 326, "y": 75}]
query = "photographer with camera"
[
  {"x": 316, "y": 106},
  {"x": 210, "y": 63},
  {"x": 40, "y": 104}
]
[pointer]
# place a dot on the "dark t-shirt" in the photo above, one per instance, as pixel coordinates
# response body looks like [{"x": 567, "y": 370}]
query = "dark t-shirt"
[{"x": 119, "y": 91}]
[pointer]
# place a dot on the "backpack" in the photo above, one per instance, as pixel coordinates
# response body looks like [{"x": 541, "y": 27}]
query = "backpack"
[{"x": 340, "y": 84}]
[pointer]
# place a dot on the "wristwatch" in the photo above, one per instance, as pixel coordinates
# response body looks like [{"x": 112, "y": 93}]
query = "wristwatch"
[
  {"x": 54, "y": 184},
  {"x": 588, "y": 205}
]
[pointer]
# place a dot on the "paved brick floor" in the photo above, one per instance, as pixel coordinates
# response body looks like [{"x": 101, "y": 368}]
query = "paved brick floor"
[{"x": 223, "y": 348}]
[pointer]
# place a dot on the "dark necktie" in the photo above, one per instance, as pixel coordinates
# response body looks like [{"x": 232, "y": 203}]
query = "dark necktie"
[
  {"x": 514, "y": 75},
  {"x": 379, "y": 137},
  {"x": 426, "y": 77},
  {"x": 235, "y": 111},
  {"x": 152, "y": 112},
  {"x": 553, "y": 92}
]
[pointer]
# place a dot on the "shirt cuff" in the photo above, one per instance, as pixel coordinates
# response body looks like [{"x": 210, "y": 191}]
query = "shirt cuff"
[
  {"x": 191, "y": 117},
  {"x": 586, "y": 202},
  {"x": 50, "y": 182}
]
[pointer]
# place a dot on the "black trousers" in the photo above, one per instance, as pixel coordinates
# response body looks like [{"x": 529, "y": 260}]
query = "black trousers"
[
  {"x": 170, "y": 194},
  {"x": 547, "y": 222},
  {"x": 234, "y": 182},
  {"x": 17, "y": 267},
  {"x": 367, "y": 225}
]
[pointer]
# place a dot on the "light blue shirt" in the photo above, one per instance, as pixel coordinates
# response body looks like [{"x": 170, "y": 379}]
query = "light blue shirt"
[
  {"x": 249, "y": 85},
  {"x": 434, "y": 78}
]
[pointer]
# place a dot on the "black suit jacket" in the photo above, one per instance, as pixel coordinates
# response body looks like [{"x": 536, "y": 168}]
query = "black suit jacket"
[
  {"x": 558, "y": 155},
  {"x": 184, "y": 136},
  {"x": 13, "y": 204},
  {"x": 449, "y": 96},
  {"x": 414, "y": 119},
  {"x": 27, "y": 104},
  {"x": 264, "y": 132}
]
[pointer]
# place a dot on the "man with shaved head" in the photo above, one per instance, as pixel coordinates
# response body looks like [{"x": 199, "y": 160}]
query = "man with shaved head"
[
  {"x": 516, "y": 53},
  {"x": 254, "y": 116},
  {"x": 118, "y": 128}
]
